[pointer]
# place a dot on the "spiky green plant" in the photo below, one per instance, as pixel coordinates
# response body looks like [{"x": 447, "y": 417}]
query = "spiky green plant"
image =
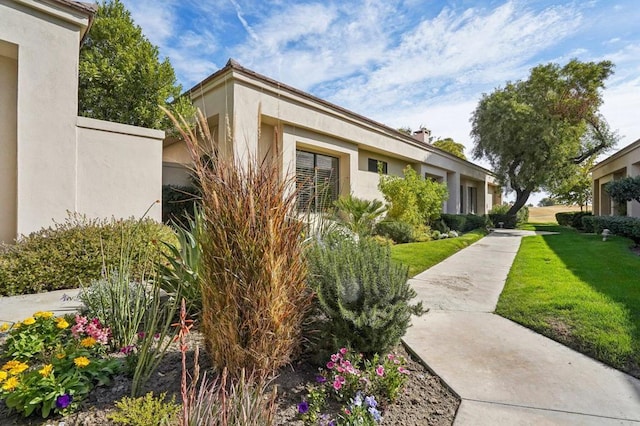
[{"x": 358, "y": 215}]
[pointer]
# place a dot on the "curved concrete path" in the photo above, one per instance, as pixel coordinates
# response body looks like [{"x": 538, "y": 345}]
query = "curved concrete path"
[{"x": 504, "y": 373}]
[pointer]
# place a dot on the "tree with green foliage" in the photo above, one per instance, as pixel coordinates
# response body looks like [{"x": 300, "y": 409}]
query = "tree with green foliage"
[
  {"x": 534, "y": 132},
  {"x": 121, "y": 77},
  {"x": 412, "y": 199},
  {"x": 547, "y": 202},
  {"x": 451, "y": 146},
  {"x": 574, "y": 189},
  {"x": 623, "y": 190}
]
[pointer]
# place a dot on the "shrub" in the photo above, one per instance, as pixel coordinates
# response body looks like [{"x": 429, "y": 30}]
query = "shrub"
[
  {"x": 363, "y": 294},
  {"x": 573, "y": 219},
  {"x": 254, "y": 292},
  {"x": 399, "y": 232},
  {"x": 146, "y": 410},
  {"x": 628, "y": 227},
  {"x": 463, "y": 222},
  {"x": 358, "y": 215},
  {"x": 499, "y": 214},
  {"x": 178, "y": 203},
  {"x": 77, "y": 251},
  {"x": 412, "y": 199}
]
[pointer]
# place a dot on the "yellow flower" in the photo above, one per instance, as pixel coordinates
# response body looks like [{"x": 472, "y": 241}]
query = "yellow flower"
[
  {"x": 62, "y": 323},
  {"x": 17, "y": 325},
  {"x": 88, "y": 342},
  {"x": 4, "y": 327},
  {"x": 60, "y": 355},
  {"x": 14, "y": 367},
  {"x": 46, "y": 370},
  {"x": 10, "y": 384},
  {"x": 81, "y": 361},
  {"x": 3, "y": 375},
  {"x": 29, "y": 321},
  {"x": 43, "y": 314}
]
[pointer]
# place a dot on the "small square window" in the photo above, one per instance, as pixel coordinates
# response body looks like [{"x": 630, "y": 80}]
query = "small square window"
[{"x": 373, "y": 166}]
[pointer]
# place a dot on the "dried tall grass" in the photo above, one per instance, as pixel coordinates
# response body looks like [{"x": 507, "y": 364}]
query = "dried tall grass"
[{"x": 254, "y": 292}]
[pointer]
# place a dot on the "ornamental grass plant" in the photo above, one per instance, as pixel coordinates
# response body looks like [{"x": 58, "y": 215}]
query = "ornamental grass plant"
[{"x": 253, "y": 273}]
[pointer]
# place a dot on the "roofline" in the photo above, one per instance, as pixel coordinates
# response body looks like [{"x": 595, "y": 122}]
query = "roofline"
[
  {"x": 87, "y": 8},
  {"x": 616, "y": 155},
  {"x": 233, "y": 65}
]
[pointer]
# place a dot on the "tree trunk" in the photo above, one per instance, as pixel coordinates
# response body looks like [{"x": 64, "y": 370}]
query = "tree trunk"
[{"x": 521, "y": 199}]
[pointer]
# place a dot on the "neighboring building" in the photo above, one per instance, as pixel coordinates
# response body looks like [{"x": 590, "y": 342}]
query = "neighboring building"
[
  {"x": 623, "y": 163},
  {"x": 328, "y": 147},
  {"x": 51, "y": 160}
]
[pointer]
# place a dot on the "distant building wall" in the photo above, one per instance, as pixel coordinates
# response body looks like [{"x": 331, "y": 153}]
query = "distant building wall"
[{"x": 119, "y": 169}]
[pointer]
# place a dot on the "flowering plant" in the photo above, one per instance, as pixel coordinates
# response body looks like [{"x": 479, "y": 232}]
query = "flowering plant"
[
  {"x": 361, "y": 383},
  {"x": 53, "y": 363}
]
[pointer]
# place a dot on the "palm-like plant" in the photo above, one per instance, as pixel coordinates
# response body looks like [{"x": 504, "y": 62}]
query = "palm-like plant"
[{"x": 358, "y": 215}]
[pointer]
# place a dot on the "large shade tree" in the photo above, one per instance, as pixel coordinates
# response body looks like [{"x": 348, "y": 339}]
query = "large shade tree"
[
  {"x": 451, "y": 146},
  {"x": 121, "y": 77},
  {"x": 534, "y": 132}
]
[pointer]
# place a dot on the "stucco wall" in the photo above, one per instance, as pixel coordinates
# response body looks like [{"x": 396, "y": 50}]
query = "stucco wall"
[
  {"x": 119, "y": 169},
  {"x": 48, "y": 40},
  {"x": 317, "y": 127},
  {"x": 624, "y": 163},
  {"x": 8, "y": 140}
]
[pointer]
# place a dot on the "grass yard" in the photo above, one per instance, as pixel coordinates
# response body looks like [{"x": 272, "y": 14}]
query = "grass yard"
[
  {"x": 422, "y": 256},
  {"x": 581, "y": 291},
  {"x": 548, "y": 214}
]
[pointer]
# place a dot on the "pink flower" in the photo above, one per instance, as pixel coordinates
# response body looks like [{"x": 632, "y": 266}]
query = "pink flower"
[
  {"x": 339, "y": 369},
  {"x": 330, "y": 365},
  {"x": 403, "y": 370},
  {"x": 380, "y": 370},
  {"x": 340, "y": 379},
  {"x": 335, "y": 358},
  {"x": 336, "y": 384},
  {"x": 343, "y": 351}
]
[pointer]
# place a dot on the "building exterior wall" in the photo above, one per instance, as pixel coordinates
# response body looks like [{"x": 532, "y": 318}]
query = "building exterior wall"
[
  {"x": 624, "y": 163},
  {"x": 119, "y": 170},
  {"x": 52, "y": 161},
  {"x": 294, "y": 120},
  {"x": 8, "y": 140}
]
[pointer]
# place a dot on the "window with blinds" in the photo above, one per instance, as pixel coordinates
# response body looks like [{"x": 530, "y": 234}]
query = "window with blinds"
[{"x": 316, "y": 180}]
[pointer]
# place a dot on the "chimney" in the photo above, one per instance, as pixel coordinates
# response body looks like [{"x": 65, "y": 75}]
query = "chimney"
[{"x": 422, "y": 135}]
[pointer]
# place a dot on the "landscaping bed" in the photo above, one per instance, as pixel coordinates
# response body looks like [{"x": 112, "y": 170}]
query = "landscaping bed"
[{"x": 425, "y": 399}]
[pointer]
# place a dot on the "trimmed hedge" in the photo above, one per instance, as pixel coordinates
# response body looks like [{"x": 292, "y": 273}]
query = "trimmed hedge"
[
  {"x": 74, "y": 252},
  {"x": 628, "y": 227},
  {"x": 399, "y": 232},
  {"x": 573, "y": 219},
  {"x": 464, "y": 222}
]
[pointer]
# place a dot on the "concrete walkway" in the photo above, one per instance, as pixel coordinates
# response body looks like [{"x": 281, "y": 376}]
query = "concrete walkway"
[
  {"x": 17, "y": 308},
  {"x": 504, "y": 373}
]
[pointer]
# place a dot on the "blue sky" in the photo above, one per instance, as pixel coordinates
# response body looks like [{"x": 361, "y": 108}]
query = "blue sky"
[{"x": 403, "y": 62}]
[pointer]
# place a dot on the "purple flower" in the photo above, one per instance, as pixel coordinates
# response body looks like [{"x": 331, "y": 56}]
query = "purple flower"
[
  {"x": 375, "y": 413},
  {"x": 303, "y": 407},
  {"x": 371, "y": 401},
  {"x": 320, "y": 379},
  {"x": 63, "y": 401}
]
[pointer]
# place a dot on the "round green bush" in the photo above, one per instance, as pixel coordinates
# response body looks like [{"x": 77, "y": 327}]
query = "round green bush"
[{"x": 77, "y": 250}]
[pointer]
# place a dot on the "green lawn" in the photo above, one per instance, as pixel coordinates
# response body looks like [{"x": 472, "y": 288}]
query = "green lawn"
[
  {"x": 578, "y": 290},
  {"x": 422, "y": 256}
]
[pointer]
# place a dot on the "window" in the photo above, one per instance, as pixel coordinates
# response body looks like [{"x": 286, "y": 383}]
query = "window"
[
  {"x": 473, "y": 200},
  {"x": 316, "y": 180},
  {"x": 373, "y": 166},
  {"x": 461, "y": 199}
]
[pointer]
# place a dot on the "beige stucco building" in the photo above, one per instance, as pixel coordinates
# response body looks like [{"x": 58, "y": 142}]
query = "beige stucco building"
[
  {"x": 623, "y": 163},
  {"x": 253, "y": 116},
  {"x": 51, "y": 160}
]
